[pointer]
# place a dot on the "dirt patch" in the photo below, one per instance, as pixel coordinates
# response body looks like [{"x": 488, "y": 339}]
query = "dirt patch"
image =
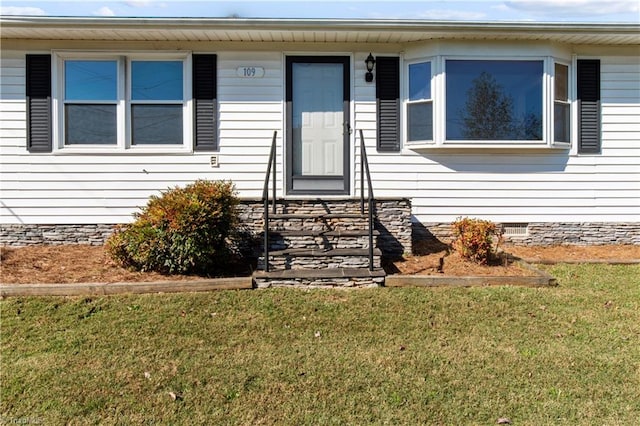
[
  {"x": 82, "y": 263},
  {"x": 44, "y": 264}
]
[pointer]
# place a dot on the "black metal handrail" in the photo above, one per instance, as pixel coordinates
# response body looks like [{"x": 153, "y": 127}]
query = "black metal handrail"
[
  {"x": 265, "y": 198},
  {"x": 364, "y": 168}
]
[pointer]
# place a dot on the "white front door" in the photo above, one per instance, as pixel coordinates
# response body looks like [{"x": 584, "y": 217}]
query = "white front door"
[{"x": 318, "y": 125}]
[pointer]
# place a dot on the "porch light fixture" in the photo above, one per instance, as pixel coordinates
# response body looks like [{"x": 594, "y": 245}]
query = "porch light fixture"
[{"x": 370, "y": 62}]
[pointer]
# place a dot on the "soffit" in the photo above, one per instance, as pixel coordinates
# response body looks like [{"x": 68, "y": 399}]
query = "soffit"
[{"x": 308, "y": 31}]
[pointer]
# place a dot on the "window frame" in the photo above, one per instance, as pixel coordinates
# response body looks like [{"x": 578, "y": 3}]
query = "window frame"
[
  {"x": 408, "y": 102},
  {"x": 571, "y": 81},
  {"x": 123, "y": 109},
  {"x": 439, "y": 102}
]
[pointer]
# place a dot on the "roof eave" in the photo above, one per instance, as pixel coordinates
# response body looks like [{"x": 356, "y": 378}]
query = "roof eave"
[{"x": 514, "y": 30}]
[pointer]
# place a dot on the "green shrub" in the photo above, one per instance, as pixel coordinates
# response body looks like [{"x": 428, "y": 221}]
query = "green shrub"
[
  {"x": 474, "y": 239},
  {"x": 184, "y": 230}
]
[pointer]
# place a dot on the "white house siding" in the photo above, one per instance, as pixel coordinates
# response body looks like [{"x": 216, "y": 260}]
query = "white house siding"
[{"x": 516, "y": 186}]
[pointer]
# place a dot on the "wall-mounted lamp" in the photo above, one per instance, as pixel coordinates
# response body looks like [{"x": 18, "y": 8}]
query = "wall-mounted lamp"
[{"x": 370, "y": 62}]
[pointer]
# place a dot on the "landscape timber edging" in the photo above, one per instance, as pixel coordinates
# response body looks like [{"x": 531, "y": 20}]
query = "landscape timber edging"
[
  {"x": 585, "y": 261},
  {"x": 540, "y": 279},
  {"x": 104, "y": 289}
]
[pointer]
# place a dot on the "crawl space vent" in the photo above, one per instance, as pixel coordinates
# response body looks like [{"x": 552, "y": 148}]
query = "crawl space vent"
[{"x": 515, "y": 229}]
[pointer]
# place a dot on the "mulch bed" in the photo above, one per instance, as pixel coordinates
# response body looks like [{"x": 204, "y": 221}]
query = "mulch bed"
[{"x": 82, "y": 263}]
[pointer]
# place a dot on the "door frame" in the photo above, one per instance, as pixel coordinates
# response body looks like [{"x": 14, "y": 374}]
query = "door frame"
[{"x": 346, "y": 103}]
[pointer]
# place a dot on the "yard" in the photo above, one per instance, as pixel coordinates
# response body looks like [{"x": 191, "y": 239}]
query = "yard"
[{"x": 561, "y": 355}]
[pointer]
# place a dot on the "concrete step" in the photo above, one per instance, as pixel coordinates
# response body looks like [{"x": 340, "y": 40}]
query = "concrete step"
[
  {"x": 319, "y": 239},
  {"x": 318, "y": 243},
  {"x": 319, "y": 225},
  {"x": 302, "y": 258},
  {"x": 318, "y": 216},
  {"x": 335, "y": 277},
  {"x": 293, "y": 252},
  {"x": 321, "y": 233}
]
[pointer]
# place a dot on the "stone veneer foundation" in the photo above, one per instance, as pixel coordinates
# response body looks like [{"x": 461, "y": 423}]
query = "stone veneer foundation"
[
  {"x": 394, "y": 223},
  {"x": 25, "y": 235},
  {"x": 550, "y": 233}
]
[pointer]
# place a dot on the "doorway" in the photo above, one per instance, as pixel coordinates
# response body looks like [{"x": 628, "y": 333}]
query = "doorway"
[{"x": 318, "y": 130}]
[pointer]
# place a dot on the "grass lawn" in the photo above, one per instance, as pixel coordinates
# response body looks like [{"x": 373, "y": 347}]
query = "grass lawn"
[{"x": 564, "y": 355}]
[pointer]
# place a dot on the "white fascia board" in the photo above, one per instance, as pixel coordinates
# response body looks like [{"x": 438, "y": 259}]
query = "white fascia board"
[{"x": 628, "y": 32}]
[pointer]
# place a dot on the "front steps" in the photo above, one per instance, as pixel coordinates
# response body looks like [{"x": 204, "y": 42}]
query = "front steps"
[
  {"x": 317, "y": 243},
  {"x": 321, "y": 278}
]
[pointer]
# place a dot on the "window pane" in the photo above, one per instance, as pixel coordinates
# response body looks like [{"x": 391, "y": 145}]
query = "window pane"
[
  {"x": 561, "y": 122},
  {"x": 494, "y": 100},
  {"x": 90, "y": 124},
  {"x": 420, "y": 121},
  {"x": 91, "y": 80},
  {"x": 561, "y": 82},
  {"x": 156, "y": 80},
  {"x": 420, "y": 81},
  {"x": 156, "y": 124}
]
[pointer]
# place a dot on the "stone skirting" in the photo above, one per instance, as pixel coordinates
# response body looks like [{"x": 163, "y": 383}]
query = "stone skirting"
[
  {"x": 25, "y": 235},
  {"x": 550, "y": 233},
  {"x": 396, "y": 230}
]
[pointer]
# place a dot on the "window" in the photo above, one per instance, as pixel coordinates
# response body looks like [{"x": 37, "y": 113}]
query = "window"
[
  {"x": 77, "y": 101},
  {"x": 419, "y": 104},
  {"x": 157, "y": 102},
  {"x": 124, "y": 102},
  {"x": 494, "y": 100},
  {"x": 561, "y": 105},
  {"x": 491, "y": 102},
  {"x": 90, "y": 102}
]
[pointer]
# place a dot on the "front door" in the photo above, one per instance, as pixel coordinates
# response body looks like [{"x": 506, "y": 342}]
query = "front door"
[{"x": 318, "y": 125}]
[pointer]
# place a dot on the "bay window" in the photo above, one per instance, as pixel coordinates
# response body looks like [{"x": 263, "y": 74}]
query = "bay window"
[{"x": 477, "y": 102}]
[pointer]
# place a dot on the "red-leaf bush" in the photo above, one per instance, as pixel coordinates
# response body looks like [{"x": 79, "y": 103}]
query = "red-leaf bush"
[
  {"x": 184, "y": 230},
  {"x": 474, "y": 239}
]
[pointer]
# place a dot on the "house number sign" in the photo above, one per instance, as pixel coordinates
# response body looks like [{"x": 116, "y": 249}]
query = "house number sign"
[{"x": 250, "y": 72}]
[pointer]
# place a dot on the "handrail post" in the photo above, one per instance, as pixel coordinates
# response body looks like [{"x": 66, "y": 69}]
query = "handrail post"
[
  {"x": 370, "y": 233},
  {"x": 362, "y": 154},
  {"x": 273, "y": 149},
  {"x": 364, "y": 167},
  {"x": 265, "y": 198},
  {"x": 266, "y": 234}
]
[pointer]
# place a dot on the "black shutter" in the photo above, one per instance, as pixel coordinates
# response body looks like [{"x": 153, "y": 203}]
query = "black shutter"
[
  {"x": 38, "y": 91},
  {"x": 388, "y": 103},
  {"x": 588, "y": 74},
  {"x": 205, "y": 103}
]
